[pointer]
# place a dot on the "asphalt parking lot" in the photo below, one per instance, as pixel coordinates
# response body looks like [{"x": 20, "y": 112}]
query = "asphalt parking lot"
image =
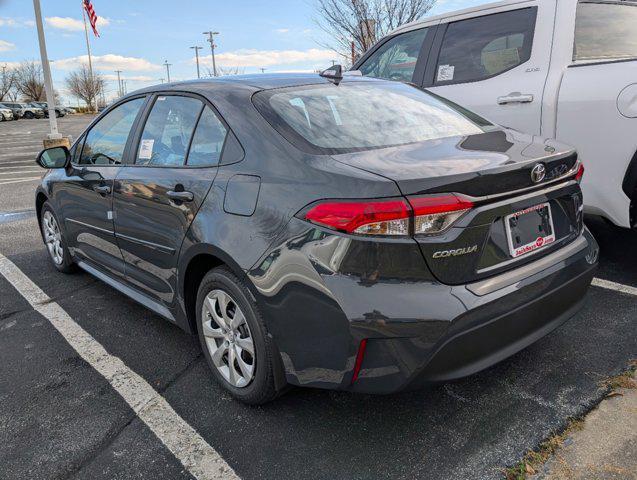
[{"x": 60, "y": 418}]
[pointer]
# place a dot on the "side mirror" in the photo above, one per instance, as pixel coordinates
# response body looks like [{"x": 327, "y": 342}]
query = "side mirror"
[{"x": 55, "y": 157}]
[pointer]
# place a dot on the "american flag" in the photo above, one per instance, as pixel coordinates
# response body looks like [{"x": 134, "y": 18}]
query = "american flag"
[{"x": 92, "y": 16}]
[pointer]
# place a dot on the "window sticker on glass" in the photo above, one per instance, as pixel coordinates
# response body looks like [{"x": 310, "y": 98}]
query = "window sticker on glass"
[
  {"x": 445, "y": 73},
  {"x": 146, "y": 149}
]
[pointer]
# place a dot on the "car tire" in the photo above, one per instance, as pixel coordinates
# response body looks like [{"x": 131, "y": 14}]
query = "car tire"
[
  {"x": 261, "y": 387},
  {"x": 54, "y": 241},
  {"x": 29, "y": 115}
]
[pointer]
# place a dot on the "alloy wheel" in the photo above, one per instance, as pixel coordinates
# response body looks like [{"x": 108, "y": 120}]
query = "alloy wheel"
[
  {"x": 228, "y": 338},
  {"x": 53, "y": 237}
]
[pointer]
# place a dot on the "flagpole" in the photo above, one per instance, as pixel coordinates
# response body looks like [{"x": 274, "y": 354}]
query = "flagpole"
[{"x": 88, "y": 48}]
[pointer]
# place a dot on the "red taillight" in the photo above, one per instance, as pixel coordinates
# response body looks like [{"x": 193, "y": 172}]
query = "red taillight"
[
  {"x": 431, "y": 215},
  {"x": 359, "y": 359},
  {"x": 580, "y": 173},
  {"x": 384, "y": 217}
]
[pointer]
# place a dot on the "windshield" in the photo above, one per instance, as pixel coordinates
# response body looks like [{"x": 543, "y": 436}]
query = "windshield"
[{"x": 354, "y": 116}]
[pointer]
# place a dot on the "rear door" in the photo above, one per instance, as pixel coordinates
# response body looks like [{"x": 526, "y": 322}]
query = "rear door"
[
  {"x": 496, "y": 64},
  {"x": 157, "y": 196},
  {"x": 85, "y": 196}
]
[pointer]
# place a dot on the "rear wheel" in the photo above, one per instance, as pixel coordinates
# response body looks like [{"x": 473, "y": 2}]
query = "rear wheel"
[
  {"x": 54, "y": 241},
  {"x": 28, "y": 115},
  {"x": 234, "y": 339}
]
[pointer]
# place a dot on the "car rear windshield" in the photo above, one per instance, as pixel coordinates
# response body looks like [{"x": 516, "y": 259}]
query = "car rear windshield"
[{"x": 355, "y": 116}]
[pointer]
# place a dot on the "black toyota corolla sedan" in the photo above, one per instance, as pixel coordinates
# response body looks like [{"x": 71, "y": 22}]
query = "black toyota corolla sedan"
[{"x": 351, "y": 234}]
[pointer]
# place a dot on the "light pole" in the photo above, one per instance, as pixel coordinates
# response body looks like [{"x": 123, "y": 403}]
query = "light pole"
[
  {"x": 168, "y": 69},
  {"x": 211, "y": 39},
  {"x": 197, "y": 57},
  {"x": 119, "y": 83},
  {"x": 46, "y": 69}
]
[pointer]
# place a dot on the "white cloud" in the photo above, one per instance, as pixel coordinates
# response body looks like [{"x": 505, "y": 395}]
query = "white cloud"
[
  {"x": 73, "y": 24},
  {"x": 268, "y": 58},
  {"x": 109, "y": 61},
  {"x": 15, "y": 22},
  {"x": 282, "y": 30},
  {"x": 6, "y": 46}
]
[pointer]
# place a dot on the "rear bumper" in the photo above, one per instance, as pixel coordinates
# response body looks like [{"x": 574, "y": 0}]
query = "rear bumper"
[{"x": 418, "y": 331}]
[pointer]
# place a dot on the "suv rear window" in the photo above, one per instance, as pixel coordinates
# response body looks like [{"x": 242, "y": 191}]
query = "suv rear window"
[
  {"x": 605, "y": 31},
  {"x": 359, "y": 115}
]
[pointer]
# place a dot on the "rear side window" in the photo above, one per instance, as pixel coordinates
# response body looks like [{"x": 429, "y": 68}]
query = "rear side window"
[
  {"x": 396, "y": 59},
  {"x": 208, "y": 141},
  {"x": 605, "y": 31},
  {"x": 168, "y": 131},
  {"x": 106, "y": 141},
  {"x": 483, "y": 47}
]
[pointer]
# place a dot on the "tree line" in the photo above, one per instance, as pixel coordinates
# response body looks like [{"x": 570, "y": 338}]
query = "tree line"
[{"x": 26, "y": 83}]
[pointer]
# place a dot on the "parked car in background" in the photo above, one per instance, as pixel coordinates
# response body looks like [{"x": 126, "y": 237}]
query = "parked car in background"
[
  {"x": 70, "y": 110},
  {"x": 26, "y": 110},
  {"x": 18, "y": 113},
  {"x": 59, "y": 111},
  {"x": 341, "y": 233},
  {"x": 565, "y": 69},
  {"x": 6, "y": 114}
]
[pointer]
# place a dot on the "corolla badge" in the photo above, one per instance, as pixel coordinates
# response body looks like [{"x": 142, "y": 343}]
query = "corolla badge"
[
  {"x": 538, "y": 173},
  {"x": 455, "y": 253}
]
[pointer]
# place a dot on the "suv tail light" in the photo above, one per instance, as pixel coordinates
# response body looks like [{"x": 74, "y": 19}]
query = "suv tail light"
[
  {"x": 396, "y": 217},
  {"x": 580, "y": 173}
]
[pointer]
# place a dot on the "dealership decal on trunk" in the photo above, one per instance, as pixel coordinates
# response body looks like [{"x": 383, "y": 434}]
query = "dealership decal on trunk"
[{"x": 455, "y": 253}]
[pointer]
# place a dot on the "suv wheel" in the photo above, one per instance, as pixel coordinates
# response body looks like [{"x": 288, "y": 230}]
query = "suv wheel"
[
  {"x": 234, "y": 339},
  {"x": 54, "y": 241},
  {"x": 28, "y": 115}
]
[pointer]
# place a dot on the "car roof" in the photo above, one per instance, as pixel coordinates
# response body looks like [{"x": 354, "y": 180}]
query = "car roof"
[{"x": 254, "y": 82}]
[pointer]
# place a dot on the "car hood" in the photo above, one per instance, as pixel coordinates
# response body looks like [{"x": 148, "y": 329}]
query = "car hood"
[{"x": 479, "y": 165}]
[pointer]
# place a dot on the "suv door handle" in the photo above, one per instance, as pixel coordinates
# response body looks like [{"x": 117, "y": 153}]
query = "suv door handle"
[
  {"x": 102, "y": 189},
  {"x": 180, "y": 196},
  {"x": 515, "y": 97}
]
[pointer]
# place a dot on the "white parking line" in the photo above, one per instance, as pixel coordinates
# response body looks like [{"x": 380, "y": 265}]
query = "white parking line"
[
  {"x": 23, "y": 170},
  {"x": 618, "y": 287},
  {"x": 196, "y": 455},
  {"x": 20, "y": 180}
]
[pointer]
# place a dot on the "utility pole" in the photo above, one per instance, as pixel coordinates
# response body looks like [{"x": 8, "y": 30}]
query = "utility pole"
[
  {"x": 161, "y": 80},
  {"x": 46, "y": 69},
  {"x": 262, "y": 70},
  {"x": 197, "y": 57},
  {"x": 119, "y": 83},
  {"x": 211, "y": 39},
  {"x": 124, "y": 87},
  {"x": 168, "y": 65}
]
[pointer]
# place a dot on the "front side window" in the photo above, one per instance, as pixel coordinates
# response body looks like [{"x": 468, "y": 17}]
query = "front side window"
[
  {"x": 396, "y": 59},
  {"x": 605, "y": 31},
  {"x": 168, "y": 130},
  {"x": 354, "y": 116},
  {"x": 482, "y": 47},
  {"x": 208, "y": 141},
  {"x": 106, "y": 141}
]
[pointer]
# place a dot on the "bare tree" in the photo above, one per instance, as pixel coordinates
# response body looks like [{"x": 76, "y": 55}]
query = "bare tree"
[
  {"x": 82, "y": 85},
  {"x": 29, "y": 82},
  {"x": 224, "y": 71},
  {"x": 364, "y": 22},
  {"x": 7, "y": 82}
]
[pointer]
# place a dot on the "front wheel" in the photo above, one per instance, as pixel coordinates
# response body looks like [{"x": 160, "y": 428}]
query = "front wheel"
[
  {"x": 54, "y": 241},
  {"x": 234, "y": 340},
  {"x": 29, "y": 115}
]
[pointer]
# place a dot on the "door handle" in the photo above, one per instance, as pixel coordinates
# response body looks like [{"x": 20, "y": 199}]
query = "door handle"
[
  {"x": 180, "y": 196},
  {"x": 102, "y": 189},
  {"x": 515, "y": 97}
]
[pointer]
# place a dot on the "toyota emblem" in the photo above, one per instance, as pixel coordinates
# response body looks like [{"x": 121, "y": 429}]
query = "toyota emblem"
[{"x": 538, "y": 173}]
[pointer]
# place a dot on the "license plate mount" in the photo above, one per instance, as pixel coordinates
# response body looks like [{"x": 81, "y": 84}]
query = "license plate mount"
[{"x": 529, "y": 230}]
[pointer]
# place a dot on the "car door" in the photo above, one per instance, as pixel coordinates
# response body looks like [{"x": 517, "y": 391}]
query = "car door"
[
  {"x": 158, "y": 195},
  {"x": 85, "y": 195},
  {"x": 496, "y": 64}
]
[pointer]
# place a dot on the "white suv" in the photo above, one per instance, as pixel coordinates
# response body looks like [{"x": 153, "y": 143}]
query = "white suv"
[{"x": 555, "y": 68}]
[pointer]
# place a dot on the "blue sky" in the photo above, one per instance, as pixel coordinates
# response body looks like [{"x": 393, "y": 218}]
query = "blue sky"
[{"x": 138, "y": 36}]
